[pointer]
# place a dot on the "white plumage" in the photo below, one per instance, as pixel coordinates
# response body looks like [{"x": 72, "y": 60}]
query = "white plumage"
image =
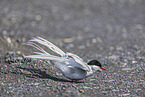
[{"x": 70, "y": 65}]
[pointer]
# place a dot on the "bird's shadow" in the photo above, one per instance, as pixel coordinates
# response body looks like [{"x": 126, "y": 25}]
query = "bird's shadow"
[{"x": 37, "y": 73}]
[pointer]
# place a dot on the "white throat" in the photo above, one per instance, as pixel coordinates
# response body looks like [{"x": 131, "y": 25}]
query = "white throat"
[{"x": 93, "y": 68}]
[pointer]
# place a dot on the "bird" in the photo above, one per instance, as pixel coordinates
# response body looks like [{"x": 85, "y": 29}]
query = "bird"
[{"x": 70, "y": 65}]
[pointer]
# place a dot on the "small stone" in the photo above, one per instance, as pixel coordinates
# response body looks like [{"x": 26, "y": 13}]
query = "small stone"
[
  {"x": 18, "y": 52},
  {"x": 86, "y": 29},
  {"x": 13, "y": 20},
  {"x": 94, "y": 40},
  {"x": 126, "y": 94},
  {"x": 38, "y": 17},
  {"x": 88, "y": 44},
  {"x": 139, "y": 27},
  {"x": 111, "y": 48},
  {"x": 81, "y": 47},
  {"x": 113, "y": 57},
  {"x": 41, "y": 93},
  {"x": 111, "y": 80},
  {"x": 85, "y": 87},
  {"x": 5, "y": 33},
  {"x": 124, "y": 65},
  {"x": 104, "y": 92},
  {"x": 12, "y": 33},
  {"x": 124, "y": 30},
  {"x": 124, "y": 35},
  {"x": 33, "y": 23},
  {"x": 54, "y": 9},
  {"x": 79, "y": 37},
  {"x": 119, "y": 48},
  {"x": 36, "y": 84},
  {"x": 99, "y": 40},
  {"x": 67, "y": 16},
  {"x": 127, "y": 69},
  {"x": 134, "y": 62},
  {"x": 9, "y": 40},
  {"x": 71, "y": 45},
  {"x": 111, "y": 1},
  {"x": 23, "y": 39},
  {"x": 133, "y": 1},
  {"x": 81, "y": 91},
  {"x": 68, "y": 40},
  {"x": 115, "y": 90}
]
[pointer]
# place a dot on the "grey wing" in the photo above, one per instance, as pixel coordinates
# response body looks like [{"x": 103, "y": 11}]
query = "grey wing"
[
  {"x": 75, "y": 73},
  {"x": 71, "y": 72},
  {"x": 79, "y": 61}
]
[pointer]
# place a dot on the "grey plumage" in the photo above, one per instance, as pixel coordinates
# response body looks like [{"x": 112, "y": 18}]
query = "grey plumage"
[{"x": 70, "y": 65}]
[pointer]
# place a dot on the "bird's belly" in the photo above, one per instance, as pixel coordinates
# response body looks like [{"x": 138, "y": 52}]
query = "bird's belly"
[{"x": 73, "y": 73}]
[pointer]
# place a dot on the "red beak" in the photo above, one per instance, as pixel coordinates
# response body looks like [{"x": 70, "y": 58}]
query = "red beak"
[{"x": 104, "y": 68}]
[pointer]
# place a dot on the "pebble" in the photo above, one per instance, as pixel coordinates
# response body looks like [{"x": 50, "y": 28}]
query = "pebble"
[
  {"x": 139, "y": 27},
  {"x": 134, "y": 62},
  {"x": 71, "y": 45},
  {"x": 99, "y": 39},
  {"x": 36, "y": 84},
  {"x": 33, "y": 23},
  {"x": 124, "y": 30},
  {"x": 85, "y": 87},
  {"x": 111, "y": 48},
  {"x": 18, "y": 52},
  {"x": 9, "y": 40},
  {"x": 38, "y": 17},
  {"x": 81, "y": 91},
  {"x": 88, "y": 44},
  {"x": 119, "y": 48},
  {"x": 124, "y": 35},
  {"x": 4, "y": 33},
  {"x": 12, "y": 33},
  {"x": 111, "y": 80},
  {"x": 126, "y": 94},
  {"x": 127, "y": 69},
  {"x": 68, "y": 40},
  {"x": 124, "y": 65},
  {"x": 133, "y": 1},
  {"x": 105, "y": 92},
  {"x": 54, "y": 9},
  {"x": 86, "y": 29},
  {"x": 23, "y": 39},
  {"x": 13, "y": 20},
  {"x": 94, "y": 40},
  {"x": 67, "y": 16},
  {"x": 115, "y": 90},
  {"x": 81, "y": 47},
  {"x": 114, "y": 57}
]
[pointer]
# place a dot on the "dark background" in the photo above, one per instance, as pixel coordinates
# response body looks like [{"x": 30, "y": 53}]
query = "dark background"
[{"x": 112, "y": 31}]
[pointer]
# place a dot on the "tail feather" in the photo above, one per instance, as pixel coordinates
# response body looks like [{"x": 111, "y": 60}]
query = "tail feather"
[
  {"x": 38, "y": 53},
  {"x": 49, "y": 45},
  {"x": 43, "y": 54},
  {"x": 47, "y": 57},
  {"x": 37, "y": 47}
]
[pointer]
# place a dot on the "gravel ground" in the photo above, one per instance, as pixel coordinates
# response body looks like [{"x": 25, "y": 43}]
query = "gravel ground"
[{"x": 111, "y": 31}]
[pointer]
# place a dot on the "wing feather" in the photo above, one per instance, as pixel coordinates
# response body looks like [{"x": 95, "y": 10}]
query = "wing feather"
[
  {"x": 79, "y": 60},
  {"x": 48, "y": 44}
]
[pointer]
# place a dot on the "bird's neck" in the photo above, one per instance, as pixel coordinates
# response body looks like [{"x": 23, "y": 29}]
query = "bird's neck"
[{"x": 93, "y": 68}]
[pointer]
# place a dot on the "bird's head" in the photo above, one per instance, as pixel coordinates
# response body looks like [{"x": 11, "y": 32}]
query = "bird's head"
[{"x": 96, "y": 65}]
